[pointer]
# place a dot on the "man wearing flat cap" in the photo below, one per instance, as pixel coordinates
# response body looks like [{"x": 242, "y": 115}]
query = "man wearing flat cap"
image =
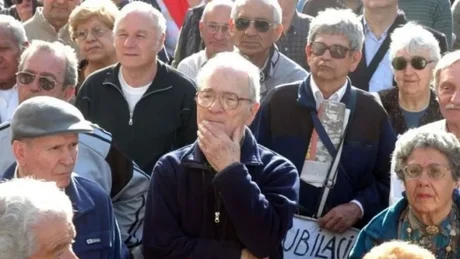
[{"x": 44, "y": 136}]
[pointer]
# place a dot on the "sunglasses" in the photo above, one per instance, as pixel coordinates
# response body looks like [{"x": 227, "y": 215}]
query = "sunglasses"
[
  {"x": 419, "y": 63},
  {"x": 44, "y": 82},
  {"x": 336, "y": 51},
  {"x": 242, "y": 24}
]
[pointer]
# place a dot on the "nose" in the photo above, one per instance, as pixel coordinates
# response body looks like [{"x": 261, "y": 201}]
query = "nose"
[
  {"x": 216, "y": 106},
  {"x": 251, "y": 30},
  {"x": 129, "y": 42},
  {"x": 68, "y": 156},
  {"x": 456, "y": 96},
  {"x": 90, "y": 37},
  {"x": 424, "y": 179},
  {"x": 219, "y": 35},
  {"x": 408, "y": 70}
]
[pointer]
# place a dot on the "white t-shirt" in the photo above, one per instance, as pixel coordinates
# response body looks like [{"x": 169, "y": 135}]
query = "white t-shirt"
[
  {"x": 9, "y": 100},
  {"x": 132, "y": 94}
]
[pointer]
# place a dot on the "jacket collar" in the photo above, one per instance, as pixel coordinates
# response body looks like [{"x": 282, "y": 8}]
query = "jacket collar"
[
  {"x": 160, "y": 82},
  {"x": 249, "y": 153},
  {"x": 80, "y": 198},
  {"x": 306, "y": 98}
]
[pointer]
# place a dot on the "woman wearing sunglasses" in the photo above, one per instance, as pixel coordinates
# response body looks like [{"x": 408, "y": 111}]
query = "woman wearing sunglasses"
[{"x": 414, "y": 53}]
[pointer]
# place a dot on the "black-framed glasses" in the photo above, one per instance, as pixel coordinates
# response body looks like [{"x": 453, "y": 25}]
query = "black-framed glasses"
[
  {"x": 417, "y": 62},
  {"x": 215, "y": 27},
  {"x": 228, "y": 101},
  {"x": 44, "y": 82},
  {"x": 434, "y": 171},
  {"x": 242, "y": 24},
  {"x": 336, "y": 51},
  {"x": 97, "y": 32}
]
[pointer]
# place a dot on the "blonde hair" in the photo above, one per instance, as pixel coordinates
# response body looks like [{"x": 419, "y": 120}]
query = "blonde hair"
[
  {"x": 104, "y": 10},
  {"x": 399, "y": 250}
]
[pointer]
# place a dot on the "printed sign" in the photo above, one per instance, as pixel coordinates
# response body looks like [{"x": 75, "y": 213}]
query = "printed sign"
[{"x": 306, "y": 240}]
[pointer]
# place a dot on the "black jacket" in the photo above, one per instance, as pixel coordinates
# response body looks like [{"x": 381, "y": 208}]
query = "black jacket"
[
  {"x": 362, "y": 75},
  {"x": 163, "y": 120}
]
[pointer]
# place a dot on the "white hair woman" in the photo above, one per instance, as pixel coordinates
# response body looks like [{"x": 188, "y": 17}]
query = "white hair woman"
[
  {"x": 428, "y": 164},
  {"x": 414, "y": 52}
]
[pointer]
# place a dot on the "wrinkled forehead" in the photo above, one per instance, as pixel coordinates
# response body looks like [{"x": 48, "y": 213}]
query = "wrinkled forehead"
[
  {"x": 256, "y": 9},
  {"x": 55, "y": 63},
  {"x": 218, "y": 14},
  {"x": 226, "y": 79}
]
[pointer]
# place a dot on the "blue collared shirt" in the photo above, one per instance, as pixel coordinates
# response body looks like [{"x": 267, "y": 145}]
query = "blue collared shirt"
[{"x": 383, "y": 75}]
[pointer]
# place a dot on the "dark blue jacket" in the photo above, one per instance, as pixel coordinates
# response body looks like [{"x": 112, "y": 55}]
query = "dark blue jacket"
[
  {"x": 257, "y": 200},
  {"x": 384, "y": 227},
  {"x": 98, "y": 236},
  {"x": 284, "y": 124}
]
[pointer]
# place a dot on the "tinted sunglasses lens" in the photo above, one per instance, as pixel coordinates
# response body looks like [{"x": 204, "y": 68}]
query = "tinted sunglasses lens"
[
  {"x": 46, "y": 83},
  {"x": 318, "y": 48},
  {"x": 418, "y": 63},
  {"x": 25, "y": 78},
  {"x": 242, "y": 24},
  {"x": 261, "y": 25},
  {"x": 399, "y": 63},
  {"x": 338, "y": 52}
]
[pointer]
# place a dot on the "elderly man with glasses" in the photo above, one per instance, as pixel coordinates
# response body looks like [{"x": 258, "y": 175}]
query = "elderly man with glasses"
[
  {"x": 225, "y": 196},
  {"x": 215, "y": 33},
  {"x": 337, "y": 136},
  {"x": 255, "y": 26}
]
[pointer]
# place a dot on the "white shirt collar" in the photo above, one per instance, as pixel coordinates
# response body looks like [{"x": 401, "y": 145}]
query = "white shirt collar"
[{"x": 318, "y": 95}]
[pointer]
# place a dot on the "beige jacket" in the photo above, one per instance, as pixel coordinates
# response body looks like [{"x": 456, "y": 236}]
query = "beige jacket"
[{"x": 38, "y": 28}]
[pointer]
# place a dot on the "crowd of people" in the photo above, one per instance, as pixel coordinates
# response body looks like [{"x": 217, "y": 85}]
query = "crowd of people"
[{"x": 201, "y": 129}]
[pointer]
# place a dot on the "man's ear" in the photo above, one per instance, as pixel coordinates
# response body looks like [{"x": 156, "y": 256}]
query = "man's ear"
[
  {"x": 355, "y": 59},
  {"x": 254, "y": 109},
  {"x": 19, "y": 151},
  {"x": 69, "y": 92}
]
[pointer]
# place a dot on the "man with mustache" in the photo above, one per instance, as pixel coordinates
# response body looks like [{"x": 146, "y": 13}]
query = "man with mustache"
[
  {"x": 291, "y": 122},
  {"x": 215, "y": 33}
]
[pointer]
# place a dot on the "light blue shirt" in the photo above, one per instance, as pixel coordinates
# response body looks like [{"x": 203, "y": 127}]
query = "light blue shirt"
[{"x": 383, "y": 75}]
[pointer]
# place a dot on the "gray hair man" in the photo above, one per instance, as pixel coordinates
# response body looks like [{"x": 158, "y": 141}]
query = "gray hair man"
[
  {"x": 98, "y": 159},
  {"x": 289, "y": 123},
  {"x": 255, "y": 26},
  {"x": 50, "y": 22},
  {"x": 246, "y": 191},
  {"x": 148, "y": 106},
  {"x": 35, "y": 220},
  {"x": 44, "y": 137},
  {"x": 215, "y": 33},
  {"x": 13, "y": 41}
]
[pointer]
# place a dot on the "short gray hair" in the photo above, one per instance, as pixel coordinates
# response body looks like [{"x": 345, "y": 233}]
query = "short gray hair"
[
  {"x": 59, "y": 50},
  {"x": 158, "y": 20},
  {"x": 414, "y": 39},
  {"x": 442, "y": 141},
  {"x": 25, "y": 203},
  {"x": 277, "y": 12},
  {"x": 338, "y": 22},
  {"x": 216, "y": 3},
  {"x": 16, "y": 29},
  {"x": 445, "y": 62},
  {"x": 235, "y": 62}
]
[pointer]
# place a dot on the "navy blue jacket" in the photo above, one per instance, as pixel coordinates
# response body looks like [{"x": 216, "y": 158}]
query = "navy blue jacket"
[
  {"x": 284, "y": 124},
  {"x": 98, "y": 236},
  {"x": 257, "y": 200}
]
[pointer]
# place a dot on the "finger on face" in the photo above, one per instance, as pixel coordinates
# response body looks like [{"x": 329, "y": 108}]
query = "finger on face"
[
  {"x": 205, "y": 131},
  {"x": 217, "y": 132}
]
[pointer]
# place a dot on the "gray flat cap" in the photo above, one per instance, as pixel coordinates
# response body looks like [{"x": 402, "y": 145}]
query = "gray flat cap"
[{"x": 43, "y": 116}]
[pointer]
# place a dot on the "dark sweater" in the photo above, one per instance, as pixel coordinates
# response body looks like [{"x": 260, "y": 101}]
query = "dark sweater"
[{"x": 284, "y": 125}]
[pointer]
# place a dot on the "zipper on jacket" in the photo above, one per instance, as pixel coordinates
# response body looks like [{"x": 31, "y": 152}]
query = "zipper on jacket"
[
  {"x": 217, "y": 206},
  {"x": 130, "y": 122}
]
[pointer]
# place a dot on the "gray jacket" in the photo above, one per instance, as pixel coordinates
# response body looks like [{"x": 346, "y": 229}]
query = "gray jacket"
[{"x": 100, "y": 161}]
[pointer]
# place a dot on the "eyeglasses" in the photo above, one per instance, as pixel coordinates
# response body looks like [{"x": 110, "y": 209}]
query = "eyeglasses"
[
  {"x": 215, "y": 27},
  {"x": 419, "y": 63},
  {"x": 336, "y": 51},
  {"x": 228, "y": 101},
  {"x": 44, "y": 82},
  {"x": 95, "y": 31},
  {"x": 242, "y": 24},
  {"x": 434, "y": 171}
]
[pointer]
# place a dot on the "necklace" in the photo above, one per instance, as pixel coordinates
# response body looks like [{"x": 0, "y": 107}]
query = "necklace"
[{"x": 429, "y": 233}]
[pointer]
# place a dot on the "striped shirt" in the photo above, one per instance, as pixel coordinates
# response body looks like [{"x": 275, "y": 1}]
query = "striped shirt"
[{"x": 432, "y": 13}]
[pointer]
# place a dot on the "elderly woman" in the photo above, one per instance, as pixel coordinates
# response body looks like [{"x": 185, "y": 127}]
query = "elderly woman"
[
  {"x": 91, "y": 26},
  {"x": 399, "y": 249},
  {"x": 428, "y": 164},
  {"x": 414, "y": 53}
]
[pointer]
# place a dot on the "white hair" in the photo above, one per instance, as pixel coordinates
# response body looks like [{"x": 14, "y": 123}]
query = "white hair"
[
  {"x": 414, "y": 39},
  {"x": 25, "y": 203},
  {"x": 209, "y": 7},
  {"x": 233, "y": 61},
  {"x": 277, "y": 12},
  {"x": 338, "y": 22},
  {"x": 16, "y": 28},
  {"x": 59, "y": 50},
  {"x": 445, "y": 62},
  {"x": 158, "y": 20}
]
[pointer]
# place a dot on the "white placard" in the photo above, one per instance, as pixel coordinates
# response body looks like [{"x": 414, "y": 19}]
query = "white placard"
[{"x": 306, "y": 240}]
